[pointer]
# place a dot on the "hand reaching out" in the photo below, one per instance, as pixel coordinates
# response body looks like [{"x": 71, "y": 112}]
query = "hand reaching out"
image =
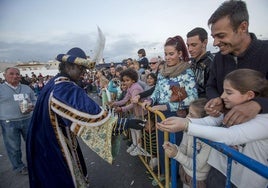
[
  {"x": 110, "y": 104},
  {"x": 159, "y": 107},
  {"x": 172, "y": 124},
  {"x": 118, "y": 109},
  {"x": 135, "y": 99},
  {"x": 146, "y": 103}
]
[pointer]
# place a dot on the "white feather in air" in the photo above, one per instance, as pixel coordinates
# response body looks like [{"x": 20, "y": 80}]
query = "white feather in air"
[{"x": 98, "y": 52}]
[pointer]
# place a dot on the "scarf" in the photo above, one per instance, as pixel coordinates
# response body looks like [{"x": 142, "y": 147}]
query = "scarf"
[{"x": 175, "y": 70}]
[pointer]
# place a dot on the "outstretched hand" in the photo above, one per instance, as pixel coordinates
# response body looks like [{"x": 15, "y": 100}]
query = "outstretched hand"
[
  {"x": 118, "y": 109},
  {"x": 241, "y": 113},
  {"x": 162, "y": 107},
  {"x": 135, "y": 99},
  {"x": 146, "y": 103},
  {"x": 172, "y": 124},
  {"x": 110, "y": 104}
]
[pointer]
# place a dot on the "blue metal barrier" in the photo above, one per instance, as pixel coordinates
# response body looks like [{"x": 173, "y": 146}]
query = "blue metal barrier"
[{"x": 232, "y": 154}]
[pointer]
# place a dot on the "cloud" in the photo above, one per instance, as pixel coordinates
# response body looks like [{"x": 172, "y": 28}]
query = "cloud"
[{"x": 43, "y": 48}]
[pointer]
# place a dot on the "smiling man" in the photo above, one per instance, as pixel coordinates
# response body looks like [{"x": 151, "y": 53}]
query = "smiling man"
[{"x": 238, "y": 49}]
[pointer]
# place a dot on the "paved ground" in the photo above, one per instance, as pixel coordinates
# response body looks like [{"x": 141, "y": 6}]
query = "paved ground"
[{"x": 125, "y": 172}]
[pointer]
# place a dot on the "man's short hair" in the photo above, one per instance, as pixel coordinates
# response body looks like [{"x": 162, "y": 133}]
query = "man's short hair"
[
  {"x": 201, "y": 32},
  {"x": 236, "y": 10},
  {"x": 11, "y": 68}
]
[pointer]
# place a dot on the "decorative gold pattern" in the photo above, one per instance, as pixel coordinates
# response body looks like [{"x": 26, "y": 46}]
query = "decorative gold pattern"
[{"x": 99, "y": 139}]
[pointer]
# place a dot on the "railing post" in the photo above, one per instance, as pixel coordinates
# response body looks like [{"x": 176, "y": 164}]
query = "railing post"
[
  {"x": 228, "y": 173},
  {"x": 174, "y": 164},
  {"x": 194, "y": 163},
  {"x": 167, "y": 168}
]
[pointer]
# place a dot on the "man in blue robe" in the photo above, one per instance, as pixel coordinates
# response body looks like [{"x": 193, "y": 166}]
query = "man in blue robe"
[{"x": 64, "y": 111}]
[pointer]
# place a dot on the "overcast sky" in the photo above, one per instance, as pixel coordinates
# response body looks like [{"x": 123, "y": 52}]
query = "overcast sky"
[{"x": 41, "y": 29}]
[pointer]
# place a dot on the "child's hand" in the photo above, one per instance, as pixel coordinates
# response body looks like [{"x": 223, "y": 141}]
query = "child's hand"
[
  {"x": 170, "y": 149},
  {"x": 118, "y": 109},
  {"x": 135, "y": 99},
  {"x": 110, "y": 104},
  {"x": 159, "y": 107},
  {"x": 146, "y": 103}
]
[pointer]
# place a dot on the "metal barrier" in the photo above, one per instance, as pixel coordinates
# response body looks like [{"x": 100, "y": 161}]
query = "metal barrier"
[
  {"x": 171, "y": 165},
  {"x": 232, "y": 154},
  {"x": 152, "y": 115}
]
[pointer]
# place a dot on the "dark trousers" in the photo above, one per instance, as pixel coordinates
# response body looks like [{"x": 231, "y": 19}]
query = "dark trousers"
[{"x": 216, "y": 179}]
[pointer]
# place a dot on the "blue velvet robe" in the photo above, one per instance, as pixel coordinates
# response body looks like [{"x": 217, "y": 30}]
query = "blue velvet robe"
[{"x": 47, "y": 163}]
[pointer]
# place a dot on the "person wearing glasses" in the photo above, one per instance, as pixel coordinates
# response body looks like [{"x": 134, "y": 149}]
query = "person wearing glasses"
[{"x": 154, "y": 63}]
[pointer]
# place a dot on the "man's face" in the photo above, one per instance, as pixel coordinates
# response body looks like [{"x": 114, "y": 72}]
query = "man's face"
[
  {"x": 228, "y": 40},
  {"x": 153, "y": 65},
  {"x": 129, "y": 62},
  {"x": 12, "y": 76},
  {"x": 196, "y": 48},
  {"x": 112, "y": 70},
  {"x": 76, "y": 72}
]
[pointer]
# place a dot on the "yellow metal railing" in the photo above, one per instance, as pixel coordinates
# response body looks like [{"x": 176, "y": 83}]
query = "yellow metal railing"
[{"x": 145, "y": 159}]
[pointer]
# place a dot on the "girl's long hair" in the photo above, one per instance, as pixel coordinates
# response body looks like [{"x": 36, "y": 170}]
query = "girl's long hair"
[{"x": 245, "y": 80}]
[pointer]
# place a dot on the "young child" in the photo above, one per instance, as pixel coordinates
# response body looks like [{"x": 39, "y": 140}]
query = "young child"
[
  {"x": 150, "y": 81},
  {"x": 104, "y": 93},
  {"x": 251, "y": 137},
  {"x": 150, "y": 131},
  {"x": 123, "y": 91},
  {"x": 184, "y": 153},
  {"x": 130, "y": 78}
]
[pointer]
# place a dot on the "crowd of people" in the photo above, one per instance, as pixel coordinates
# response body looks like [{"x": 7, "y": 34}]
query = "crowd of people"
[{"x": 199, "y": 93}]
